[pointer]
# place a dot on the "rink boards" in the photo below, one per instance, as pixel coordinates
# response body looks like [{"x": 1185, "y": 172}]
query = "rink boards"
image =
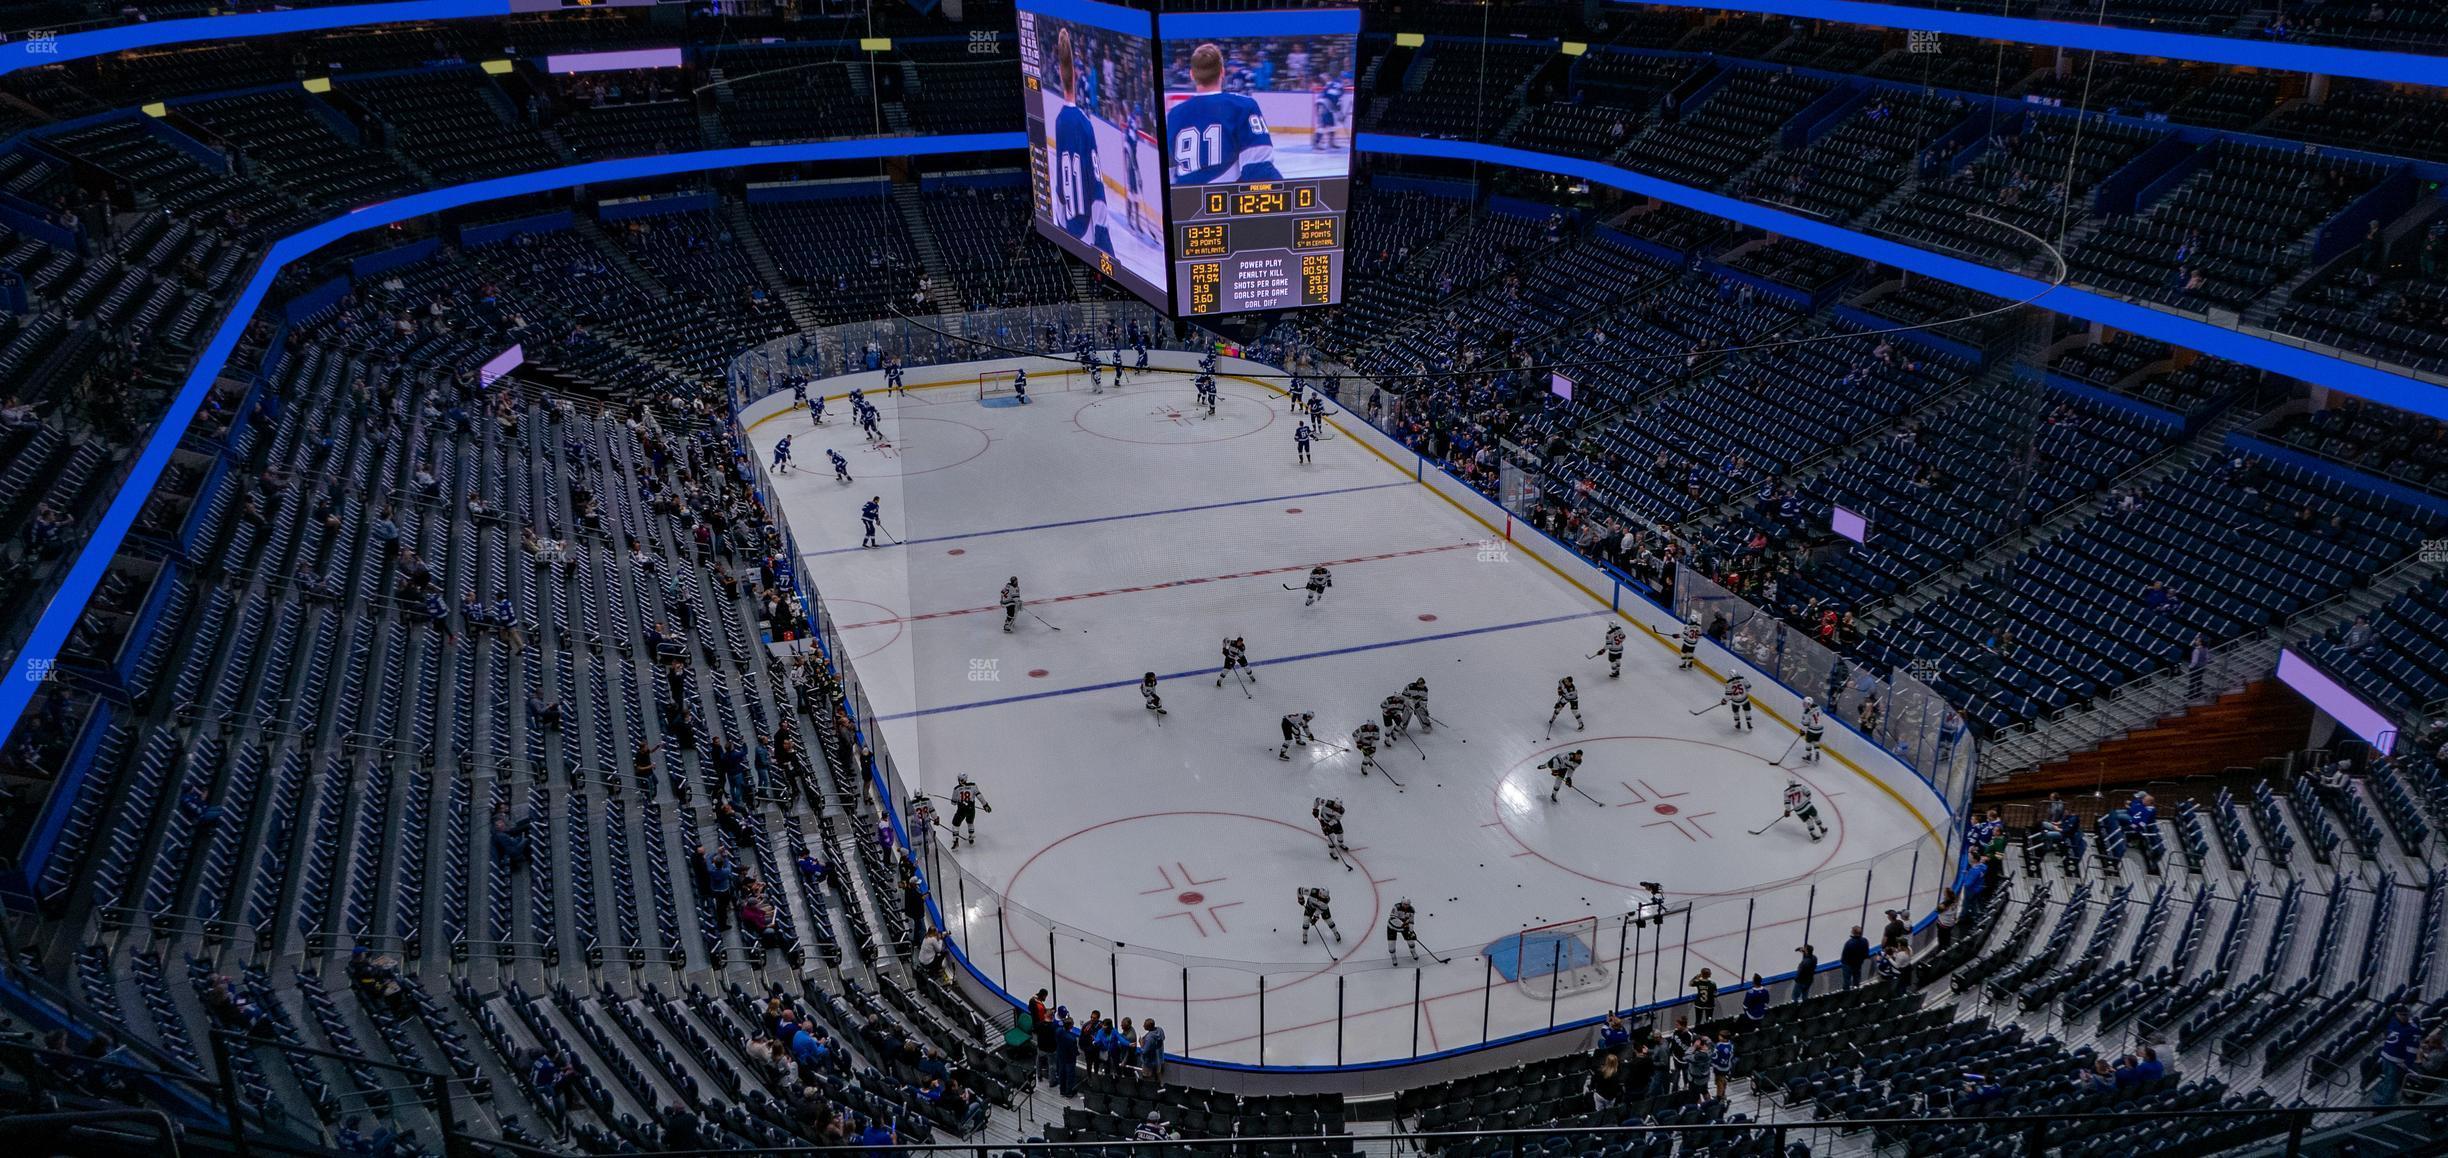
[{"x": 1147, "y": 866}]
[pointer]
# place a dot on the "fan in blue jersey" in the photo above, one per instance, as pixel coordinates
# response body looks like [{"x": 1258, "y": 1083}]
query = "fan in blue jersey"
[
  {"x": 1218, "y": 137},
  {"x": 1079, "y": 193}
]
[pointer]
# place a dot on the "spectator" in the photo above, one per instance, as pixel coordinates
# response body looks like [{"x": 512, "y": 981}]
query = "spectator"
[
  {"x": 1806, "y": 972},
  {"x": 2398, "y": 1044},
  {"x": 1153, "y": 1129},
  {"x": 1704, "y": 996},
  {"x": 1721, "y": 1061},
  {"x": 1755, "y": 1001},
  {"x": 2100, "y": 1078},
  {"x": 932, "y": 954},
  {"x": 1152, "y": 1051},
  {"x": 1607, "y": 1081},
  {"x": 1614, "y": 1035},
  {"x": 1066, "y": 1053},
  {"x": 1950, "y": 911},
  {"x": 1896, "y": 964},
  {"x": 1666, "y": 1060},
  {"x": 1854, "y": 955}
]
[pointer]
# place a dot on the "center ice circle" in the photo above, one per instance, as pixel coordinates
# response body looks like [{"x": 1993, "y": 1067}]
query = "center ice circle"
[
  {"x": 1166, "y": 415},
  {"x": 1667, "y": 809}
]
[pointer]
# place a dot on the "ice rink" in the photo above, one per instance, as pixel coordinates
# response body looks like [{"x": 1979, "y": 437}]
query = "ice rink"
[{"x": 1146, "y": 866}]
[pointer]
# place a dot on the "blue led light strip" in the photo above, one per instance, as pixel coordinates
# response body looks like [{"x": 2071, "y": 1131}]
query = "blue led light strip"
[
  {"x": 2288, "y": 56},
  {"x": 35, "y": 52},
  {"x": 2312, "y": 366},
  {"x": 68, "y": 603}
]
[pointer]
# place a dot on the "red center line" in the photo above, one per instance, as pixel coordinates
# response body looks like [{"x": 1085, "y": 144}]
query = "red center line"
[{"x": 1191, "y": 582}]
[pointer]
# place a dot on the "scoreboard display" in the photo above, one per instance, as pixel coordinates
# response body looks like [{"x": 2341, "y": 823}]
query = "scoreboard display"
[
  {"x": 1257, "y": 142},
  {"x": 1261, "y": 245}
]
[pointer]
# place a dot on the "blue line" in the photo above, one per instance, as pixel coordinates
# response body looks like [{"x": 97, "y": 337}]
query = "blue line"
[
  {"x": 1114, "y": 518},
  {"x": 1205, "y": 671}
]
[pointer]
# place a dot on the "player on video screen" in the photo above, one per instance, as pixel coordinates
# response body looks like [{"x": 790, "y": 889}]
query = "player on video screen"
[
  {"x": 1079, "y": 193},
  {"x": 1218, "y": 136}
]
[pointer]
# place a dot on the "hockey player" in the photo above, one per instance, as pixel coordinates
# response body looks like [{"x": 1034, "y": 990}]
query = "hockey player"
[
  {"x": 1293, "y": 395},
  {"x": 1328, "y": 115},
  {"x": 1417, "y": 692},
  {"x": 1567, "y": 697},
  {"x": 967, "y": 799},
  {"x": 1319, "y": 580},
  {"x": 1365, "y": 739},
  {"x": 1010, "y": 599},
  {"x": 1236, "y": 658},
  {"x": 1206, "y": 385},
  {"x": 1301, "y": 437},
  {"x": 893, "y": 383},
  {"x": 1814, "y": 728},
  {"x": 1096, "y": 369},
  {"x": 1078, "y": 200},
  {"x": 781, "y": 456},
  {"x": 1147, "y": 692},
  {"x": 1139, "y": 350},
  {"x": 867, "y": 424},
  {"x": 1218, "y": 137},
  {"x": 1020, "y": 385},
  {"x": 1317, "y": 908},
  {"x": 1317, "y": 415},
  {"x": 922, "y": 820},
  {"x": 871, "y": 517},
  {"x": 1560, "y": 772},
  {"x": 1295, "y": 731},
  {"x": 1691, "y": 641},
  {"x": 841, "y": 466},
  {"x": 1738, "y": 701},
  {"x": 1798, "y": 804},
  {"x": 1395, "y": 712},
  {"x": 1329, "y": 814},
  {"x": 1399, "y": 926},
  {"x": 1207, "y": 362},
  {"x": 799, "y": 395},
  {"x": 1614, "y": 650},
  {"x": 815, "y": 407}
]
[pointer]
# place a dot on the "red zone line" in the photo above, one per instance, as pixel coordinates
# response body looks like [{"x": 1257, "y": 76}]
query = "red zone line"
[
  {"x": 1192, "y": 582},
  {"x": 1427, "y": 1004}
]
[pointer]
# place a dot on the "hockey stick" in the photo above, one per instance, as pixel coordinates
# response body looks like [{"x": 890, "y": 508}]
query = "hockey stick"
[
  {"x": 1585, "y": 795},
  {"x": 1242, "y": 678},
  {"x": 1789, "y": 747},
  {"x": 1415, "y": 744},
  {"x": 1771, "y": 824},
  {"x": 1042, "y": 619},
  {"x": 1432, "y": 955},
  {"x": 1712, "y": 707},
  {"x": 1595, "y": 654}
]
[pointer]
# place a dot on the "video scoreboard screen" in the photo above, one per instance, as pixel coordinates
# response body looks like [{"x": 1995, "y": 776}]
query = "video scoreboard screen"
[
  {"x": 1257, "y": 144},
  {"x": 1087, "y": 71}
]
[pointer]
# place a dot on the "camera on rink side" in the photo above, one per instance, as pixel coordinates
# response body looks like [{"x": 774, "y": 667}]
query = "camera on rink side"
[{"x": 1652, "y": 907}]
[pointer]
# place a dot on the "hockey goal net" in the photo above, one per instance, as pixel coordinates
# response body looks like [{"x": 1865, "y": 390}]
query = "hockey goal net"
[
  {"x": 1551, "y": 959},
  {"x": 996, "y": 384}
]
